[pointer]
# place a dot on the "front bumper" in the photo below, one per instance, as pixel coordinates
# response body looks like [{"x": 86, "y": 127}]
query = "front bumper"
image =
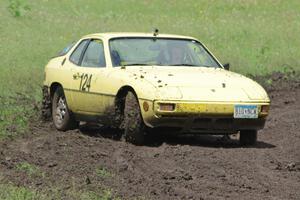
[{"x": 204, "y": 117}]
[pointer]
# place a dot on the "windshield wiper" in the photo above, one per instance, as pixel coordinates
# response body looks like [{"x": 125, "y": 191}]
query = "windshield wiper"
[
  {"x": 183, "y": 64},
  {"x": 136, "y": 64}
]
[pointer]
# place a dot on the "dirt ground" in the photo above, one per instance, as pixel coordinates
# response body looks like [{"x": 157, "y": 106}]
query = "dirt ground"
[{"x": 169, "y": 167}]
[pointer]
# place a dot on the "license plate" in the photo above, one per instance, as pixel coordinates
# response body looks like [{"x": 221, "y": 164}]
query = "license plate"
[{"x": 245, "y": 111}]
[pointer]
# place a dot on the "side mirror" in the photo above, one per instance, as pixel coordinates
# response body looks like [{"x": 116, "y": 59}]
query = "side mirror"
[{"x": 226, "y": 66}]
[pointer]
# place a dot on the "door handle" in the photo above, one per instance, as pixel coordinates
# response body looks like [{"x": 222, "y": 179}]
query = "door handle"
[{"x": 76, "y": 76}]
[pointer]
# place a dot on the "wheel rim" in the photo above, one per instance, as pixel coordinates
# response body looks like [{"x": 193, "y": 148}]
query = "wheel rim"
[{"x": 61, "y": 110}]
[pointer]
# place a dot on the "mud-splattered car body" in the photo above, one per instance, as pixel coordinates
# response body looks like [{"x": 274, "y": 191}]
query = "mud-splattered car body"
[{"x": 186, "y": 98}]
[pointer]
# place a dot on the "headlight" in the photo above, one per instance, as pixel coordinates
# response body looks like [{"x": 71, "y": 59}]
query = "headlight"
[{"x": 168, "y": 93}]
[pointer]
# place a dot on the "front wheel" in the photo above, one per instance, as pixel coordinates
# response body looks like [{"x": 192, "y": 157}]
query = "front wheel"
[
  {"x": 62, "y": 117},
  {"x": 248, "y": 137},
  {"x": 133, "y": 121}
]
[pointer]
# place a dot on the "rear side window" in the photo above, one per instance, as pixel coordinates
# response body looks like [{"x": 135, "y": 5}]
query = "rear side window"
[
  {"x": 94, "y": 55},
  {"x": 75, "y": 57}
]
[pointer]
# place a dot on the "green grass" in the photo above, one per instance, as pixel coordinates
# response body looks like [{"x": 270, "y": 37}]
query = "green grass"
[
  {"x": 256, "y": 37},
  {"x": 18, "y": 7},
  {"x": 103, "y": 172},
  {"x": 11, "y": 192},
  {"x": 30, "y": 169},
  {"x": 15, "y": 113}
]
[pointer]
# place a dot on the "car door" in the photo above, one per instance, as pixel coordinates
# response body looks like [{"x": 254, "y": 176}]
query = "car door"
[
  {"x": 89, "y": 76},
  {"x": 67, "y": 78}
]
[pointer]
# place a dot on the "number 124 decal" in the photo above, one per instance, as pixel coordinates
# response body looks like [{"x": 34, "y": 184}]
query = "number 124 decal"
[{"x": 85, "y": 82}]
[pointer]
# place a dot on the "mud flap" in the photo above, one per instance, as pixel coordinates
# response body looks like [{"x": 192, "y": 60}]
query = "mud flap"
[{"x": 46, "y": 104}]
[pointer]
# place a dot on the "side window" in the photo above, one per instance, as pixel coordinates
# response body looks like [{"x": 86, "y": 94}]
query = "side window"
[
  {"x": 94, "y": 55},
  {"x": 75, "y": 57}
]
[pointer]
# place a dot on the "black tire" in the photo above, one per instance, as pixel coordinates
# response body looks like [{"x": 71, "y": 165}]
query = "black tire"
[
  {"x": 248, "y": 137},
  {"x": 134, "y": 127},
  {"x": 61, "y": 116}
]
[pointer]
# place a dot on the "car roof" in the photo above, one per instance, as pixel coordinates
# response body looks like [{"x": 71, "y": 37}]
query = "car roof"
[{"x": 132, "y": 34}]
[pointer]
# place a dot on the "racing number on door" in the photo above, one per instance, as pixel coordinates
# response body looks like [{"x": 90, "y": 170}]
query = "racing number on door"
[{"x": 85, "y": 82}]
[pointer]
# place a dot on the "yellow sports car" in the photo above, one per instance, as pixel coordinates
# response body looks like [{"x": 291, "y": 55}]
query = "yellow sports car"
[{"x": 139, "y": 82}]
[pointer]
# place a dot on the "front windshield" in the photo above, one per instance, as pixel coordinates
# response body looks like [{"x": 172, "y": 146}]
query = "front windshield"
[{"x": 159, "y": 51}]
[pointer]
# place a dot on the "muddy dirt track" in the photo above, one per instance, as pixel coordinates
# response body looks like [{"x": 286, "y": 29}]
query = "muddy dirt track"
[{"x": 202, "y": 167}]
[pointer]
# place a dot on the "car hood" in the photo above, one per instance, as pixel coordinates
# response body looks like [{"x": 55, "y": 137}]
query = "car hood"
[{"x": 200, "y": 83}]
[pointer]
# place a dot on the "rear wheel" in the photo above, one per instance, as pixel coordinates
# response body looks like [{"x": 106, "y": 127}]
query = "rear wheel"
[
  {"x": 62, "y": 117},
  {"x": 248, "y": 137},
  {"x": 133, "y": 122}
]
